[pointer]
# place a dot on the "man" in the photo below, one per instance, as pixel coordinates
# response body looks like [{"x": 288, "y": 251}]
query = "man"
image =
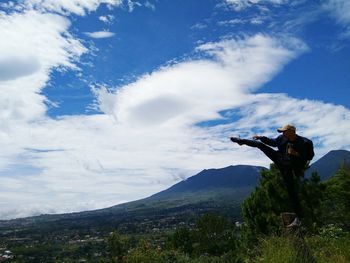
[{"x": 292, "y": 157}]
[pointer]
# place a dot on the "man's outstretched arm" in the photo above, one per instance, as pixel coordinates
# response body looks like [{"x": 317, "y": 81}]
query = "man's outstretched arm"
[{"x": 269, "y": 141}]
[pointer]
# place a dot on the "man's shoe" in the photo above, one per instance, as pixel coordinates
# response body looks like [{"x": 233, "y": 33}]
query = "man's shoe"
[
  {"x": 237, "y": 140},
  {"x": 296, "y": 223}
]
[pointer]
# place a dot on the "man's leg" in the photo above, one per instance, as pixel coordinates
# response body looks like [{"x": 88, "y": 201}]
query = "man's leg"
[
  {"x": 291, "y": 184},
  {"x": 274, "y": 155}
]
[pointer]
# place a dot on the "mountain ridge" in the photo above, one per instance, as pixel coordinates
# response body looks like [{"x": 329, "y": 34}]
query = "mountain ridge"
[
  {"x": 329, "y": 163},
  {"x": 229, "y": 184}
]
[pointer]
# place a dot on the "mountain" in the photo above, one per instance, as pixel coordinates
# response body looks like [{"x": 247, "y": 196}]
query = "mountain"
[
  {"x": 330, "y": 163},
  {"x": 212, "y": 190},
  {"x": 209, "y": 180}
]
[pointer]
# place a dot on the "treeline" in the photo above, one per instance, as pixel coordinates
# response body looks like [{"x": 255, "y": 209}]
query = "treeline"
[
  {"x": 261, "y": 237},
  {"x": 323, "y": 237}
]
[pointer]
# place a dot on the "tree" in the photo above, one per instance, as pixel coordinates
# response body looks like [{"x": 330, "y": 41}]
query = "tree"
[
  {"x": 182, "y": 239},
  {"x": 312, "y": 194},
  {"x": 214, "y": 235},
  {"x": 261, "y": 210},
  {"x": 337, "y": 199},
  {"x": 117, "y": 246}
]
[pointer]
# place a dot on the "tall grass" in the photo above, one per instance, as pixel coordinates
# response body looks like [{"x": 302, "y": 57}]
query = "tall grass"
[
  {"x": 293, "y": 249},
  {"x": 335, "y": 250}
]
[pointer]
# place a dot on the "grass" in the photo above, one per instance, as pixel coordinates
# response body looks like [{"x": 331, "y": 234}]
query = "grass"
[{"x": 314, "y": 249}]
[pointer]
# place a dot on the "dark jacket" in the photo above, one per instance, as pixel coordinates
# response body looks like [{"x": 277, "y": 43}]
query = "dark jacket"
[{"x": 301, "y": 145}]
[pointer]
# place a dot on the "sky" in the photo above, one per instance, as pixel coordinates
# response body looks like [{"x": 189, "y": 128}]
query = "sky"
[{"x": 108, "y": 101}]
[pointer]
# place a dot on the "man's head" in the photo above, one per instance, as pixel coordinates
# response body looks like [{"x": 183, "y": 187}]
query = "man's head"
[{"x": 288, "y": 131}]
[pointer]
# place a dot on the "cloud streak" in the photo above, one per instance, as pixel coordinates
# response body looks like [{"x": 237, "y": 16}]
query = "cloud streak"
[
  {"x": 100, "y": 34},
  {"x": 66, "y": 7},
  {"x": 242, "y": 4},
  {"x": 340, "y": 11}
]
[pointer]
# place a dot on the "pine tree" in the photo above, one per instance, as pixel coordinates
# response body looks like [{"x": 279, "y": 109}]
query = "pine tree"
[
  {"x": 337, "y": 200},
  {"x": 262, "y": 209}
]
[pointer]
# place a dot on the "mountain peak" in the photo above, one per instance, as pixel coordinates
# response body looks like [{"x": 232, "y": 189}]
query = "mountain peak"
[{"x": 210, "y": 179}]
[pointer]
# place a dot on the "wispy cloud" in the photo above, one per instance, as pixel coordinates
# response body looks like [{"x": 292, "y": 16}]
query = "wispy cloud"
[
  {"x": 240, "y": 21},
  {"x": 66, "y": 7},
  {"x": 108, "y": 19},
  {"x": 132, "y": 4},
  {"x": 150, "y": 5},
  {"x": 199, "y": 26},
  {"x": 340, "y": 11},
  {"x": 100, "y": 34},
  {"x": 242, "y": 4}
]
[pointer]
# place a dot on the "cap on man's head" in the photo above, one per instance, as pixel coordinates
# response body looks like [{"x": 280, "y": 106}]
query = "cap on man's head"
[{"x": 287, "y": 127}]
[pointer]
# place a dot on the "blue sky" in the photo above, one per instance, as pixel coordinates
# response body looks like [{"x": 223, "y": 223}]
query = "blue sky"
[{"x": 107, "y": 101}]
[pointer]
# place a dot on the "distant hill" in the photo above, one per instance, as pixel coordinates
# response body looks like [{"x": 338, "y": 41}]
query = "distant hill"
[
  {"x": 330, "y": 163},
  {"x": 212, "y": 190},
  {"x": 209, "y": 180}
]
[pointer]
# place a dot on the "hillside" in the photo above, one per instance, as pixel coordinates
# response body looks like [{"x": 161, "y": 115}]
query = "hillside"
[
  {"x": 232, "y": 177},
  {"x": 329, "y": 164},
  {"x": 218, "y": 192},
  {"x": 212, "y": 190}
]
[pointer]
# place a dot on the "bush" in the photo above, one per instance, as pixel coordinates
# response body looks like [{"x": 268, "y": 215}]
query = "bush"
[
  {"x": 326, "y": 249},
  {"x": 140, "y": 255}
]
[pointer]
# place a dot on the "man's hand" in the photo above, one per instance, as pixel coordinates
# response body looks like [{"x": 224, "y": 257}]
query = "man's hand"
[
  {"x": 293, "y": 152},
  {"x": 256, "y": 137}
]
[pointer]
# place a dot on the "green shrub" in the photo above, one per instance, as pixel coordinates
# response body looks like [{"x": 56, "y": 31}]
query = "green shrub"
[
  {"x": 277, "y": 250},
  {"x": 330, "y": 249},
  {"x": 155, "y": 256}
]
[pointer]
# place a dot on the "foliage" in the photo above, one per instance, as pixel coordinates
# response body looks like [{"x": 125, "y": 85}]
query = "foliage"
[
  {"x": 312, "y": 194},
  {"x": 139, "y": 255},
  {"x": 213, "y": 235},
  {"x": 293, "y": 249},
  {"x": 117, "y": 246},
  {"x": 261, "y": 210},
  {"x": 331, "y": 232},
  {"x": 327, "y": 250},
  {"x": 337, "y": 199},
  {"x": 182, "y": 239}
]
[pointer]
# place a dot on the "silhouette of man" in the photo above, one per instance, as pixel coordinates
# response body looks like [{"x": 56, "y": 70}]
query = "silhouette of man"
[{"x": 292, "y": 157}]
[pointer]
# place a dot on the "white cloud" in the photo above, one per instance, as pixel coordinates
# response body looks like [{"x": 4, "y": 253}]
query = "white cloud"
[
  {"x": 12, "y": 67},
  {"x": 69, "y": 6},
  {"x": 32, "y": 45},
  {"x": 240, "y": 66},
  {"x": 242, "y": 4},
  {"x": 340, "y": 10},
  {"x": 199, "y": 26},
  {"x": 325, "y": 123},
  {"x": 150, "y": 5},
  {"x": 146, "y": 139},
  {"x": 239, "y": 21},
  {"x": 100, "y": 34},
  {"x": 132, "y": 4},
  {"x": 107, "y": 19}
]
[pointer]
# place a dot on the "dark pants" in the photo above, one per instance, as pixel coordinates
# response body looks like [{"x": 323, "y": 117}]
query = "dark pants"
[{"x": 290, "y": 170}]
